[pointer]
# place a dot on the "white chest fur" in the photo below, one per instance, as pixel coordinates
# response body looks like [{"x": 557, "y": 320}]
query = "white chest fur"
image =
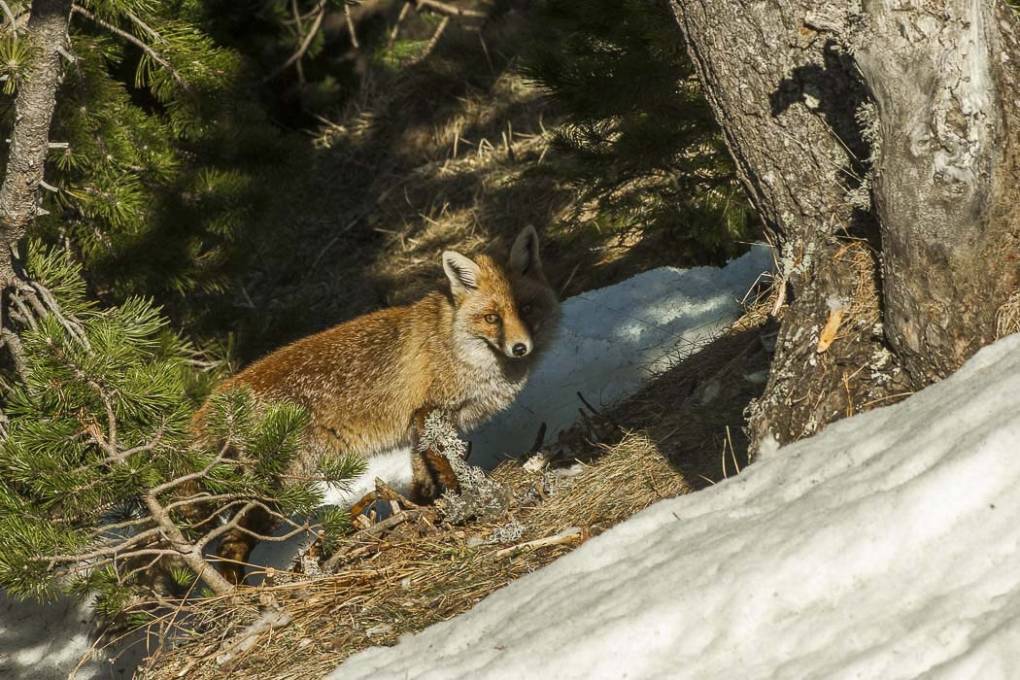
[{"x": 492, "y": 384}]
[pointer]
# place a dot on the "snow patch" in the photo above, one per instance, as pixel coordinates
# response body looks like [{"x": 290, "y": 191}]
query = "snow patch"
[{"x": 613, "y": 340}]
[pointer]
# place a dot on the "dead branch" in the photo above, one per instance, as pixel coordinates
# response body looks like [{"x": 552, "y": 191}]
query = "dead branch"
[
  {"x": 404, "y": 9},
  {"x": 350, "y": 27},
  {"x": 566, "y": 536},
  {"x": 433, "y": 41},
  {"x": 10, "y": 18},
  {"x": 114, "y": 550},
  {"x": 448, "y": 10},
  {"x": 272, "y": 618},
  {"x": 320, "y": 13},
  {"x": 373, "y": 531}
]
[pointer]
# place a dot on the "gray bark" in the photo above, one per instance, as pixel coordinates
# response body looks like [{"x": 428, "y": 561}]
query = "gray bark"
[
  {"x": 807, "y": 94},
  {"x": 946, "y": 80},
  {"x": 786, "y": 94},
  {"x": 34, "y": 105}
]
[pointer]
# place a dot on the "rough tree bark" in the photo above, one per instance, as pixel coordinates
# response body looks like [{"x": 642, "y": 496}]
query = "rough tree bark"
[
  {"x": 33, "y": 113},
  {"x": 33, "y": 107},
  {"x": 811, "y": 95},
  {"x": 946, "y": 80}
]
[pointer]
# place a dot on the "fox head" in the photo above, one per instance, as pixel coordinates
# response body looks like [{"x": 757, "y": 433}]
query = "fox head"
[{"x": 510, "y": 310}]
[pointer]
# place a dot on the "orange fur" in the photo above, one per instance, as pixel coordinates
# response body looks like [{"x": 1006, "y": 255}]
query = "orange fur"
[
  {"x": 362, "y": 381},
  {"x": 367, "y": 382}
]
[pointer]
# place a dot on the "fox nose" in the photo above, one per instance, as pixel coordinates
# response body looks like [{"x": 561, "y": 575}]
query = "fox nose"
[{"x": 519, "y": 349}]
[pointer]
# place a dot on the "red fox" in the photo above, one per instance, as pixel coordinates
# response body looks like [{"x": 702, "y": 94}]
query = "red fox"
[{"x": 368, "y": 382}]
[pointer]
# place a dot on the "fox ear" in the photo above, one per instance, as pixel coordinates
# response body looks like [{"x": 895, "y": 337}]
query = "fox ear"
[
  {"x": 462, "y": 272},
  {"x": 524, "y": 258}
]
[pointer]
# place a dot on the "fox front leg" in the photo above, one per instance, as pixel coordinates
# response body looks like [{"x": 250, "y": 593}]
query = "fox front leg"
[
  {"x": 236, "y": 546},
  {"x": 431, "y": 473}
]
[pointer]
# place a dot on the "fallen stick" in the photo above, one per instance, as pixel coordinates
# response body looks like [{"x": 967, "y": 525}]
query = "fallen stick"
[
  {"x": 449, "y": 10},
  {"x": 271, "y": 618},
  {"x": 371, "y": 532},
  {"x": 565, "y": 536}
]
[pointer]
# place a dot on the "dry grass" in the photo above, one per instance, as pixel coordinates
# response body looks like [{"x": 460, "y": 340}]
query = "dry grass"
[
  {"x": 1007, "y": 320},
  {"x": 419, "y": 574}
]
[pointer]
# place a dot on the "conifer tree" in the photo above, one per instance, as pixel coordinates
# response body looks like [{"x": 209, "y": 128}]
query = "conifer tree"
[
  {"x": 103, "y": 483},
  {"x": 161, "y": 157}
]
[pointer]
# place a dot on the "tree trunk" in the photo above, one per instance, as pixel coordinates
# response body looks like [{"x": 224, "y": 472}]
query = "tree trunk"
[
  {"x": 947, "y": 178},
  {"x": 33, "y": 106},
  {"x": 784, "y": 79}
]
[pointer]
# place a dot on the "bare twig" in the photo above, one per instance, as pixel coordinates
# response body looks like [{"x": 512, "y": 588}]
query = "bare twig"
[
  {"x": 396, "y": 26},
  {"x": 448, "y": 10},
  {"x": 320, "y": 13},
  {"x": 433, "y": 41},
  {"x": 566, "y": 536},
  {"x": 69, "y": 323},
  {"x": 10, "y": 19},
  {"x": 371, "y": 532},
  {"x": 271, "y": 619},
  {"x": 350, "y": 27},
  {"x": 300, "y": 28}
]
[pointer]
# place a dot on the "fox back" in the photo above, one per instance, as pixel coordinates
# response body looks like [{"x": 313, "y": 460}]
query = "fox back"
[{"x": 466, "y": 352}]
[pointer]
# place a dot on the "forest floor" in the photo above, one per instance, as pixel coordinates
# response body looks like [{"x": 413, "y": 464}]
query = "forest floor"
[{"x": 456, "y": 151}]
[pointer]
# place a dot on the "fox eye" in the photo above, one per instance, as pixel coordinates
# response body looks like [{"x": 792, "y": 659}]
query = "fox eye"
[{"x": 491, "y": 318}]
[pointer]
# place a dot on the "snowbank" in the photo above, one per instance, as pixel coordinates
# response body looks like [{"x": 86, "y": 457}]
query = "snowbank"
[
  {"x": 885, "y": 547},
  {"x": 44, "y": 642}
]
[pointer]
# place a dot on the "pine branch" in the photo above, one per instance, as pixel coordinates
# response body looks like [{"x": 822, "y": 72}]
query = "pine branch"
[
  {"x": 117, "y": 550},
  {"x": 134, "y": 40},
  {"x": 194, "y": 476},
  {"x": 191, "y": 553},
  {"x": 156, "y": 37}
]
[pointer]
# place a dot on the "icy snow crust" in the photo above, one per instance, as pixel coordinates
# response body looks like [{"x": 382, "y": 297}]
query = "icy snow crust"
[{"x": 885, "y": 547}]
